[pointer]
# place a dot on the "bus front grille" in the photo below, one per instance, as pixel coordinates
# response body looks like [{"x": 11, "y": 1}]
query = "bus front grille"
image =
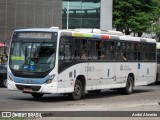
[{"x": 34, "y": 88}]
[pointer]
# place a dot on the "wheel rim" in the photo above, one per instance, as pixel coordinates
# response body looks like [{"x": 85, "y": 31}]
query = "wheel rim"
[
  {"x": 129, "y": 84},
  {"x": 77, "y": 90}
]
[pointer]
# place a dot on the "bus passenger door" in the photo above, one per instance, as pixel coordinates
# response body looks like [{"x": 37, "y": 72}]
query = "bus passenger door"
[
  {"x": 144, "y": 73},
  {"x": 144, "y": 67},
  {"x": 101, "y": 75},
  {"x": 110, "y": 74}
]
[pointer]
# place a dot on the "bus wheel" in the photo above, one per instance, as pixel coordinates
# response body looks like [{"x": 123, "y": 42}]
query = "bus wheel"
[
  {"x": 37, "y": 95},
  {"x": 78, "y": 91},
  {"x": 94, "y": 91},
  {"x": 5, "y": 83},
  {"x": 157, "y": 82},
  {"x": 129, "y": 86}
]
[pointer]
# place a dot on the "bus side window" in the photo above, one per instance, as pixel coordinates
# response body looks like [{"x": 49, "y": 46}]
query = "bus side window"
[
  {"x": 111, "y": 53},
  {"x": 112, "y": 45},
  {"x": 67, "y": 54},
  {"x": 124, "y": 57},
  {"x": 78, "y": 43},
  {"x": 84, "y": 44}
]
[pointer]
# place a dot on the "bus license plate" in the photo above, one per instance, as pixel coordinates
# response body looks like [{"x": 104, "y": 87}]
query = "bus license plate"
[{"x": 27, "y": 90}]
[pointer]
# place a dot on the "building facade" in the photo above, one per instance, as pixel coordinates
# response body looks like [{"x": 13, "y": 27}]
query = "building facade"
[
  {"x": 87, "y": 14},
  {"x": 19, "y": 14},
  {"x": 81, "y": 14}
]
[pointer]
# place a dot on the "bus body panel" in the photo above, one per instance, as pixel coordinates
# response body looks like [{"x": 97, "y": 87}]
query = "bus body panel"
[
  {"x": 98, "y": 74},
  {"x": 144, "y": 72},
  {"x": 67, "y": 78}
]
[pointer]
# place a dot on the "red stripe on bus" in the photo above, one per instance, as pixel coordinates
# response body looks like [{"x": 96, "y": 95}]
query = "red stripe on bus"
[{"x": 105, "y": 36}]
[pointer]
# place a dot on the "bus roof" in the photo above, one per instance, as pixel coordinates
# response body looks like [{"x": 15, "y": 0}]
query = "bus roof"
[
  {"x": 37, "y": 29},
  {"x": 90, "y": 33}
]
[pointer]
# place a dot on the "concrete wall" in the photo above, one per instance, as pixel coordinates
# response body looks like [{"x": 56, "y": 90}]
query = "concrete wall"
[
  {"x": 17, "y": 14},
  {"x": 106, "y": 14}
]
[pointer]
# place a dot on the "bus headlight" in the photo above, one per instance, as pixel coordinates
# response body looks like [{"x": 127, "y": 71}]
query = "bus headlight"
[{"x": 50, "y": 79}]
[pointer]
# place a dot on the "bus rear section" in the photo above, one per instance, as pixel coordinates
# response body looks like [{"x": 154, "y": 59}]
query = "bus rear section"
[{"x": 158, "y": 63}]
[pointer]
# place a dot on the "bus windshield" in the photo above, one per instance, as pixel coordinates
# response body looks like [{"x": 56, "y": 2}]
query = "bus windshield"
[{"x": 32, "y": 57}]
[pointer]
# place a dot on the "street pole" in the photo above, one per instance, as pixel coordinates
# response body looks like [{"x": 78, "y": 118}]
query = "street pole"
[
  {"x": 5, "y": 47},
  {"x": 68, "y": 14},
  {"x": 152, "y": 27}
]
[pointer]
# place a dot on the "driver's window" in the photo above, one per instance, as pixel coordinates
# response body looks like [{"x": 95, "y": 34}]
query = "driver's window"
[
  {"x": 64, "y": 53},
  {"x": 67, "y": 50},
  {"x": 61, "y": 54}
]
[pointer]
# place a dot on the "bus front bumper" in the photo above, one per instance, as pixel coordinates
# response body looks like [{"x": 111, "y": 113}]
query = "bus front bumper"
[{"x": 32, "y": 88}]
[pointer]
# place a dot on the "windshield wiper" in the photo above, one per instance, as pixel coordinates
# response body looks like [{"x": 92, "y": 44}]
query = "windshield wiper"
[{"x": 24, "y": 49}]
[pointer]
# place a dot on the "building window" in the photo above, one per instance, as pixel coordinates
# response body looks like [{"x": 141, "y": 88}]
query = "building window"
[{"x": 80, "y": 14}]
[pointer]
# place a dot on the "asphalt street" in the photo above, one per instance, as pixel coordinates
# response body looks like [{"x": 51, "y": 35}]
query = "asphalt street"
[{"x": 144, "y": 98}]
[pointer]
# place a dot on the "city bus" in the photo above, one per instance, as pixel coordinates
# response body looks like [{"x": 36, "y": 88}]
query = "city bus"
[
  {"x": 158, "y": 63},
  {"x": 73, "y": 62}
]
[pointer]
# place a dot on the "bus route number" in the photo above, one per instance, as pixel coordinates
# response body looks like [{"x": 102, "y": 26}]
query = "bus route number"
[{"x": 89, "y": 69}]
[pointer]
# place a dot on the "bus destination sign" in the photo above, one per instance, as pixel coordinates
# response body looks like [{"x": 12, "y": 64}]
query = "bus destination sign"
[{"x": 35, "y": 35}]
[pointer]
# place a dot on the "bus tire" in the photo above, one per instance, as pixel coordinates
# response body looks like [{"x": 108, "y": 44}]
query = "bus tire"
[
  {"x": 5, "y": 82},
  {"x": 94, "y": 91},
  {"x": 78, "y": 91},
  {"x": 1, "y": 81},
  {"x": 37, "y": 95},
  {"x": 157, "y": 82},
  {"x": 129, "y": 86}
]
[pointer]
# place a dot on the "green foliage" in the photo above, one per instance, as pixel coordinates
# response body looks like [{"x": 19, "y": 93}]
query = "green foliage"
[
  {"x": 157, "y": 25},
  {"x": 157, "y": 31},
  {"x": 135, "y": 15}
]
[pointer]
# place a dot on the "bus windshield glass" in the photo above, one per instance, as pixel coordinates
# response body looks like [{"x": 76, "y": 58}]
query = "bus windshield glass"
[{"x": 32, "y": 55}]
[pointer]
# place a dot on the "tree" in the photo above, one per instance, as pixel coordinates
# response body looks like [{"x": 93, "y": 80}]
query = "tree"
[
  {"x": 134, "y": 16},
  {"x": 157, "y": 31},
  {"x": 157, "y": 25}
]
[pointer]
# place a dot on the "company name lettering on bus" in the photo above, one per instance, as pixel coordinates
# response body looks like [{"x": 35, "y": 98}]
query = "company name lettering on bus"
[
  {"x": 89, "y": 69},
  {"x": 35, "y": 35},
  {"x": 77, "y": 58},
  {"x": 125, "y": 68}
]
